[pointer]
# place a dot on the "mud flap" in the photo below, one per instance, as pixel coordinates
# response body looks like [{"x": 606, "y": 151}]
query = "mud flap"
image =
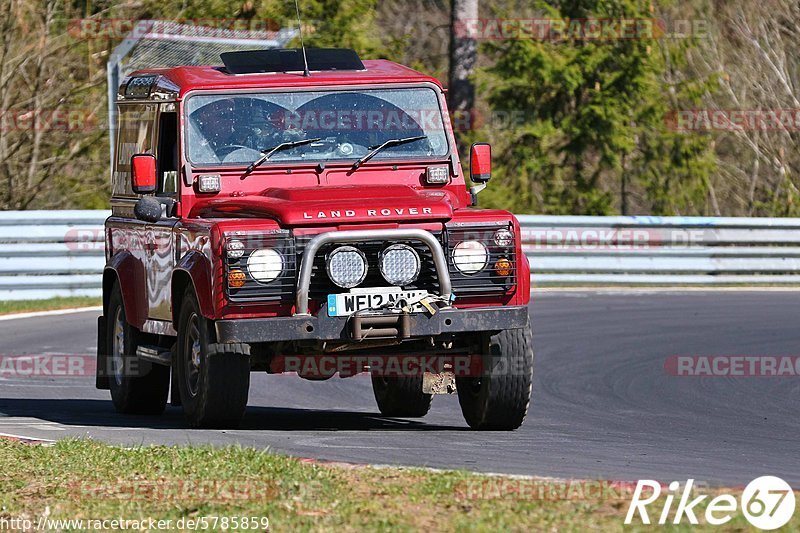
[
  {"x": 101, "y": 375},
  {"x": 175, "y": 390}
]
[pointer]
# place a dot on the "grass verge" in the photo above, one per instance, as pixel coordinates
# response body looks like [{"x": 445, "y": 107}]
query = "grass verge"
[
  {"x": 51, "y": 304},
  {"x": 78, "y": 479}
]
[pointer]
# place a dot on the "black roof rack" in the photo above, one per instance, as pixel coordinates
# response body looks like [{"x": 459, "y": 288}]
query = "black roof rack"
[{"x": 290, "y": 60}]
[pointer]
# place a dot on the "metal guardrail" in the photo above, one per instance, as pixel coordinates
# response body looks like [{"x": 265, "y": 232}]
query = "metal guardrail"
[
  {"x": 44, "y": 254},
  {"x": 60, "y": 253},
  {"x": 662, "y": 250}
]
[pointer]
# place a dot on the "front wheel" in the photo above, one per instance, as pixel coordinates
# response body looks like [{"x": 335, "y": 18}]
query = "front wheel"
[
  {"x": 498, "y": 398},
  {"x": 214, "y": 384}
]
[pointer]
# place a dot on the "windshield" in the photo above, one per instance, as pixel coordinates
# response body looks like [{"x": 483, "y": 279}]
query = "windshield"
[{"x": 235, "y": 129}]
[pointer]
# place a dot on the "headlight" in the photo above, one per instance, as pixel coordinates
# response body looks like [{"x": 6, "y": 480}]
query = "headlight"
[
  {"x": 265, "y": 265},
  {"x": 399, "y": 264},
  {"x": 470, "y": 257},
  {"x": 347, "y": 267}
]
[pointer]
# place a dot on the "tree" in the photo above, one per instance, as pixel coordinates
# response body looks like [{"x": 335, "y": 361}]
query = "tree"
[
  {"x": 463, "y": 55},
  {"x": 591, "y": 112},
  {"x": 50, "y": 130},
  {"x": 751, "y": 47}
]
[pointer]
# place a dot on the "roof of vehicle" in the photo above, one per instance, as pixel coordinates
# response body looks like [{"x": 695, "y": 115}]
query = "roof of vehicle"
[{"x": 170, "y": 83}]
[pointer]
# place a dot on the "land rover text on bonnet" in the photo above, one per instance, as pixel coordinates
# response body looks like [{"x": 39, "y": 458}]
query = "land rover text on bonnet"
[{"x": 275, "y": 216}]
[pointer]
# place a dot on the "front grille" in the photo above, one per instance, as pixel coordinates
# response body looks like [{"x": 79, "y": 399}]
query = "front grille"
[{"x": 283, "y": 289}]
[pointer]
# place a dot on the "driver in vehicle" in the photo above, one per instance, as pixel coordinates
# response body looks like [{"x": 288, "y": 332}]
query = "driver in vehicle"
[
  {"x": 216, "y": 123},
  {"x": 232, "y": 124}
]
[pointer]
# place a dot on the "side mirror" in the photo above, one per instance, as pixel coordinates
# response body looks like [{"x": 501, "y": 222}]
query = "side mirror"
[
  {"x": 480, "y": 163},
  {"x": 148, "y": 209},
  {"x": 143, "y": 173}
]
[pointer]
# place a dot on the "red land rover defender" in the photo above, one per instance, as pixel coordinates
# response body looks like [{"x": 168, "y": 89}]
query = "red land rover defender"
[{"x": 272, "y": 217}]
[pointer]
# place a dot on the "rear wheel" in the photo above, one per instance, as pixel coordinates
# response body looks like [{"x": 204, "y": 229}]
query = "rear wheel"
[
  {"x": 401, "y": 396},
  {"x": 214, "y": 383},
  {"x": 498, "y": 398},
  {"x": 137, "y": 387}
]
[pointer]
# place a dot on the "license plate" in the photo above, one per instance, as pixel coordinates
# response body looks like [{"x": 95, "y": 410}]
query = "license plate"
[{"x": 348, "y": 303}]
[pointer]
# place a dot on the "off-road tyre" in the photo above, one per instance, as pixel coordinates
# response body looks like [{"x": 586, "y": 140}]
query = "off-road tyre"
[
  {"x": 214, "y": 380},
  {"x": 499, "y": 398},
  {"x": 401, "y": 396},
  {"x": 137, "y": 387}
]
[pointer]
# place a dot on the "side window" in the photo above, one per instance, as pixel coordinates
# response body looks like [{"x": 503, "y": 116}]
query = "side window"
[
  {"x": 134, "y": 136},
  {"x": 167, "y": 154}
]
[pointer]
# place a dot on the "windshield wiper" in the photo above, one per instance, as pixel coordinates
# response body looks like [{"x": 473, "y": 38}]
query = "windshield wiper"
[
  {"x": 377, "y": 149},
  {"x": 270, "y": 151}
]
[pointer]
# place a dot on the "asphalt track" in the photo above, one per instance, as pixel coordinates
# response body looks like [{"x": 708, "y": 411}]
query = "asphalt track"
[{"x": 603, "y": 404}]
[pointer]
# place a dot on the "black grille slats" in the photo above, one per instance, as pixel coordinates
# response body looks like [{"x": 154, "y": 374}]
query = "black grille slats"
[
  {"x": 280, "y": 290},
  {"x": 487, "y": 281}
]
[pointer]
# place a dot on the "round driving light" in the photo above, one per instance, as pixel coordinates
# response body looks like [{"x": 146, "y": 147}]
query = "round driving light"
[
  {"x": 470, "y": 257},
  {"x": 347, "y": 267},
  {"x": 503, "y": 237},
  {"x": 503, "y": 267},
  {"x": 399, "y": 264},
  {"x": 265, "y": 265},
  {"x": 235, "y": 249}
]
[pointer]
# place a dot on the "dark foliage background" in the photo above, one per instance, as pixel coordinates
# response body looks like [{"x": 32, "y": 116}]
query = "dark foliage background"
[{"x": 578, "y": 126}]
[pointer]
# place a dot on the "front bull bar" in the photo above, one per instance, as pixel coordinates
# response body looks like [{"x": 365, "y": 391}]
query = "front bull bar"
[{"x": 342, "y": 237}]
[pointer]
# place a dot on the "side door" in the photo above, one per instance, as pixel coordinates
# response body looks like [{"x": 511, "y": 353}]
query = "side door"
[
  {"x": 160, "y": 257},
  {"x": 126, "y": 233}
]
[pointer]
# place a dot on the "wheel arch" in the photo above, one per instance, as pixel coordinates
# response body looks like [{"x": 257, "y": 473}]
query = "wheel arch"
[
  {"x": 128, "y": 272},
  {"x": 193, "y": 270}
]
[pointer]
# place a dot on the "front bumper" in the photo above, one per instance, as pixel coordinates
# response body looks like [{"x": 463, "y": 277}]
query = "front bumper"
[{"x": 325, "y": 328}]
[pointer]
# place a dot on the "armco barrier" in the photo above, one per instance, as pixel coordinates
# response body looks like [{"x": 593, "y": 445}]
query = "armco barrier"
[
  {"x": 60, "y": 253},
  {"x": 44, "y": 254},
  {"x": 662, "y": 250}
]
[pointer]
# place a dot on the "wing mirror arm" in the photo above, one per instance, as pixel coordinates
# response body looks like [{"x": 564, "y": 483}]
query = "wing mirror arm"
[{"x": 473, "y": 192}]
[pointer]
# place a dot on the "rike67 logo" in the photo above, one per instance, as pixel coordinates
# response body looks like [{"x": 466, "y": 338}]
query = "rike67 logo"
[{"x": 767, "y": 503}]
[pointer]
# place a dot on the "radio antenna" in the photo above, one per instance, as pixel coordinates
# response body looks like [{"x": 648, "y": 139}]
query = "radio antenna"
[{"x": 306, "y": 72}]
